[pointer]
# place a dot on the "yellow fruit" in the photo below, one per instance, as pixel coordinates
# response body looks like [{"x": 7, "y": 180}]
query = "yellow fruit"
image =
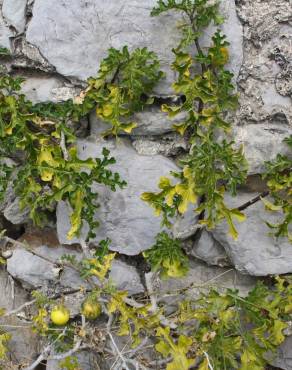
[
  {"x": 91, "y": 309},
  {"x": 60, "y": 315}
]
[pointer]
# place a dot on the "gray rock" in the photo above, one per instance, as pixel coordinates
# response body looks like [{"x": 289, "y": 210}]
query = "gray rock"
[
  {"x": 14, "y": 214},
  {"x": 265, "y": 77},
  {"x": 201, "y": 277},
  {"x": 42, "y": 270},
  {"x": 284, "y": 355},
  {"x": 168, "y": 145},
  {"x": 186, "y": 225},
  {"x": 207, "y": 249},
  {"x": 262, "y": 142},
  {"x": 124, "y": 218},
  {"x": 31, "y": 270},
  {"x": 151, "y": 121},
  {"x": 24, "y": 344},
  {"x": 126, "y": 277},
  {"x": 75, "y": 36},
  {"x": 44, "y": 89},
  {"x": 14, "y": 13},
  {"x": 5, "y": 34},
  {"x": 255, "y": 252},
  {"x": 122, "y": 275},
  {"x": 86, "y": 361}
]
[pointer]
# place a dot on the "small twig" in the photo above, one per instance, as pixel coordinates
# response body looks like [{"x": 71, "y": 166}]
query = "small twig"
[
  {"x": 85, "y": 249},
  {"x": 45, "y": 353},
  {"x": 41, "y": 358},
  {"x": 149, "y": 277},
  {"x": 253, "y": 201},
  {"x": 208, "y": 360},
  {"x": 118, "y": 351},
  {"x": 77, "y": 347},
  {"x": 30, "y": 303},
  {"x": 63, "y": 146},
  {"x": 20, "y": 308}
]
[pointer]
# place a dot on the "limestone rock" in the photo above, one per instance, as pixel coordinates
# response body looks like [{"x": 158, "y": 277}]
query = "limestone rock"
[
  {"x": 201, "y": 277},
  {"x": 168, "y": 145},
  {"x": 151, "y": 121},
  {"x": 207, "y": 249},
  {"x": 24, "y": 343},
  {"x": 262, "y": 142},
  {"x": 74, "y": 36},
  {"x": 265, "y": 77},
  {"x": 124, "y": 218},
  {"x": 42, "y": 270},
  {"x": 86, "y": 361},
  {"x": 284, "y": 355},
  {"x": 14, "y": 214},
  {"x": 255, "y": 252},
  {"x": 14, "y": 13},
  {"x": 31, "y": 270},
  {"x": 186, "y": 225},
  {"x": 126, "y": 277},
  {"x": 44, "y": 89},
  {"x": 5, "y": 34}
]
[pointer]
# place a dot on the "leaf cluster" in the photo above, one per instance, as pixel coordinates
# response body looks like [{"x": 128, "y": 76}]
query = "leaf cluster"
[
  {"x": 121, "y": 87},
  {"x": 167, "y": 257},
  {"x": 279, "y": 180},
  {"x": 49, "y": 169},
  {"x": 213, "y": 165},
  {"x": 237, "y": 332}
]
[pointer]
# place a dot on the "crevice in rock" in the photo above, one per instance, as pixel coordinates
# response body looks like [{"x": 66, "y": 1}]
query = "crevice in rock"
[
  {"x": 139, "y": 263},
  {"x": 12, "y": 231}
]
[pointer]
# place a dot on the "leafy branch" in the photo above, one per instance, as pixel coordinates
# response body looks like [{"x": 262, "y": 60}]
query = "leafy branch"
[
  {"x": 279, "y": 180},
  {"x": 213, "y": 164}
]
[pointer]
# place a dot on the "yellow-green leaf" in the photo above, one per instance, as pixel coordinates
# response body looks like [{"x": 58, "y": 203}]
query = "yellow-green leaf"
[{"x": 270, "y": 206}]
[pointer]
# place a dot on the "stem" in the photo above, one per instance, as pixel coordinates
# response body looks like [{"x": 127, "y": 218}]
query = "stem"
[{"x": 253, "y": 201}]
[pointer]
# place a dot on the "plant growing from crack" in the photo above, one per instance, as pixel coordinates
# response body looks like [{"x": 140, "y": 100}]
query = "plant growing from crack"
[
  {"x": 279, "y": 180},
  {"x": 44, "y": 149},
  {"x": 213, "y": 164}
]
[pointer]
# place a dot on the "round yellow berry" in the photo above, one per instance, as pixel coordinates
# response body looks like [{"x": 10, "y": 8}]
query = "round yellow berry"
[
  {"x": 91, "y": 308},
  {"x": 60, "y": 315}
]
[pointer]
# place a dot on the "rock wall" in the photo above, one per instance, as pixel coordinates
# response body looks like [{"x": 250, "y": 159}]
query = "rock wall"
[{"x": 56, "y": 45}]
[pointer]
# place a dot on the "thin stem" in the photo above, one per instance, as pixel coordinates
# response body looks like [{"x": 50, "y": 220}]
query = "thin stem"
[{"x": 253, "y": 201}]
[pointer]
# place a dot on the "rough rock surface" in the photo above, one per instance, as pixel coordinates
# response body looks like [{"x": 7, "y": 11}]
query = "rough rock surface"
[
  {"x": 14, "y": 13},
  {"x": 169, "y": 145},
  {"x": 5, "y": 33},
  {"x": 124, "y": 218},
  {"x": 86, "y": 361},
  {"x": 42, "y": 270},
  {"x": 24, "y": 344},
  {"x": 14, "y": 214},
  {"x": 207, "y": 249},
  {"x": 284, "y": 355},
  {"x": 255, "y": 252},
  {"x": 265, "y": 77},
  {"x": 201, "y": 277},
  {"x": 45, "y": 89},
  {"x": 151, "y": 121},
  {"x": 262, "y": 142},
  {"x": 74, "y": 36}
]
